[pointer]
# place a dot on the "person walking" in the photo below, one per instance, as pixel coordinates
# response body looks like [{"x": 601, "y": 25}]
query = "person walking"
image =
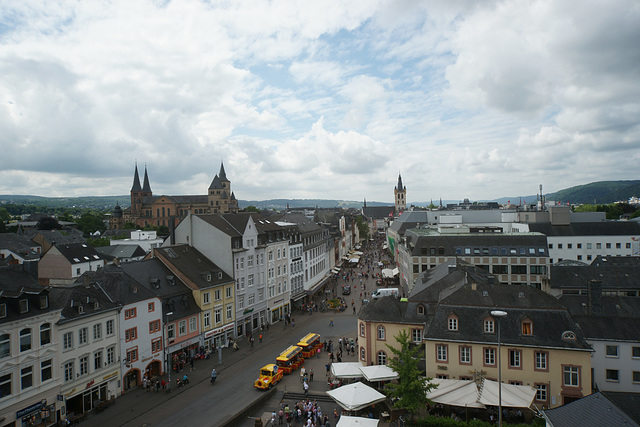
[
  {"x": 306, "y": 389},
  {"x": 260, "y": 336},
  {"x": 311, "y": 374},
  {"x": 331, "y": 321}
]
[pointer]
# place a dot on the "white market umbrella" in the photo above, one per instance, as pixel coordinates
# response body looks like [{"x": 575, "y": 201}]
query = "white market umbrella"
[
  {"x": 348, "y": 421},
  {"x": 513, "y": 396},
  {"x": 378, "y": 373},
  {"x": 357, "y": 396},
  {"x": 346, "y": 370},
  {"x": 455, "y": 392}
]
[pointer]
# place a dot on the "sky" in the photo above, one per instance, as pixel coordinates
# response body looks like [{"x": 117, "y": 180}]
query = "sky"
[{"x": 318, "y": 99}]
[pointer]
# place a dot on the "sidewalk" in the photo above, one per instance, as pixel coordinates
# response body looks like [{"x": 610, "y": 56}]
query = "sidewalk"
[{"x": 137, "y": 402}]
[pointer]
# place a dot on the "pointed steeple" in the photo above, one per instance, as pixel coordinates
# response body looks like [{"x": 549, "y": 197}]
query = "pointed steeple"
[
  {"x": 400, "y": 187},
  {"x": 146, "y": 188},
  {"x": 222, "y": 174},
  {"x": 216, "y": 183},
  {"x": 136, "y": 180},
  {"x": 365, "y": 203}
]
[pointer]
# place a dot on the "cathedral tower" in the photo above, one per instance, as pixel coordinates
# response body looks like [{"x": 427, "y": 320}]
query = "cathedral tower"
[{"x": 400, "y": 193}]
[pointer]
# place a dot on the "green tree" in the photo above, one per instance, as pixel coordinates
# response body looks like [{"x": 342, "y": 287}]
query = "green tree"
[
  {"x": 90, "y": 223},
  {"x": 410, "y": 392},
  {"x": 251, "y": 209},
  {"x": 130, "y": 226},
  {"x": 48, "y": 223},
  {"x": 163, "y": 231},
  {"x": 4, "y": 215},
  {"x": 96, "y": 243},
  {"x": 363, "y": 228},
  {"x": 65, "y": 216}
]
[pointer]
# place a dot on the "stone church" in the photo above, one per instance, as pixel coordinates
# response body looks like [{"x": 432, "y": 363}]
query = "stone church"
[{"x": 147, "y": 209}]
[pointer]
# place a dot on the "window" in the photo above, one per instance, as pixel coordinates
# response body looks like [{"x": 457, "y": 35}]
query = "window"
[
  {"x": 635, "y": 352},
  {"x": 541, "y": 392},
  {"x": 97, "y": 331},
  {"x": 206, "y": 297},
  {"x": 193, "y": 324},
  {"x": 241, "y": 302},
  {"x": 5, "y": 345},
  {"x": 612, "y": 375},
  {"x": 250, "y": 261},
  {"x": 627, "y": 245},
  {"x": 362, "y": 354},
  {"x": 589, "y": 245},
  {"x": 83, "y": 336},
  {"x": 109, "y": 327},
  {"x": 217, "y": 294},
  {"x": 514, "y": 358},
  {"x": 489, "y": 356},
  {"x": 67, "y": 341},
  {"x": 607, "y": 245},
  {"x": 441, "y": 352},
  {"x": 152, "y": 307},
  {"x": 3, "y": 311},
  {"x": 541, "y": 360},
  {"x": 130, "y": 313},
  {"x": 362, "y": 329},
  {"x": 182, "y": 327},
  {"x": 598, "y": 245},
  {"x": 382, "y": 358},
  {"x": 68, "y": 371},
  {"x": 465, "y": 354},
  {"x": 569, "y": 245},
  {"x": 489, "y": 326},
  {"x": 25, "y": 339},
  {"x": 570, "y": 376},
  {"x": 618, "y": 245},
  {"x": 635, "y": 376},
  {"x": 538, "y": 269},
  {"x": 24, "y": 306},
  {"x": 97, "y": 360},
  {"x": 518, "y": 269},
  {"x": 45, "y": 334},
  {"x": 252, "y": 299},
  {"x": 207, "y": 319},
  {"x": 416, "y": 335},
  {"x": 612, "y": 351},
  {"x": 381, "y": 332},
  {"x": 527, "y": 328},
  {"x": 421, "y": 309},
  {"x": 171, "y": 331},
  {"x": 26, "y": 377},
  {"x": 111, "y": 355},
  {"x": 84, "y": 365},
  {"x": 228, "y": 289},
  {"x": 229, "y": 311},
  {"x": 218, "y": 315},
  {"x": 156, "y": 345},
  {"x": 46, "y": 370},
  {"x": 154, "y": 326},
  {"x": 453, "y": 324},
  {"x": 5, "y": 386},
  {"x": 132, "y": 354},
  {"x": 131, "y": 334},
  {"x": 500, "y": 269}
]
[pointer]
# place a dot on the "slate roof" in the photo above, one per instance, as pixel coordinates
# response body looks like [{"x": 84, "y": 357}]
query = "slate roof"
[
  {"x": 195, "y": 199},
  {"x": 118, "y": 285},
  {"x": 391, "y": 310},
  {"x": 19, "y": 245},
  {"x": 607, "y": 228},
  {"x": 16, "y": 284},
  {"x": 611, "y": 305},
  {"x": 196, "y": 267},
  {"x": 122, "y": 251},
  {"x": 613, "y": 276},
  {"x": 157, "y": 278},
  {"x": 598, "y": 409},
  {"x": 416, "y": 239},
  {"x": 136, "y": 180},
  {"x": 55, "y": 237},
  {"x": 305, "y": 225},
  {"x": 81, "y": 301},
  {"x": 216, "y": 184},
  {"x": 79, "y": 252},
  {"x": 379, "y": 212},
  {"x": 146, "y": 187},
  {"x": 609, "y": 328}
]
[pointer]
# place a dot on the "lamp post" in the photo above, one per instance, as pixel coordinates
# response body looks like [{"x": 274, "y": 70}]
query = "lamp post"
[
  {"x": 166, "y": 348},
  {"x": 499, "y": 314}
]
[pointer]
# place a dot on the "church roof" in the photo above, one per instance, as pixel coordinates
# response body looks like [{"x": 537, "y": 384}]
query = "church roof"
[
  {"x": 146, "y": 188},
  {"x": 400, "y": 187},
  {"x": 136, "y": 181},
  {"x": 222, "y": 174},
  {"x": 216, "y": 183}
]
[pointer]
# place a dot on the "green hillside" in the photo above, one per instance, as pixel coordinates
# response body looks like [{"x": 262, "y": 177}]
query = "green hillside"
[{"x": 602, "y": 192}]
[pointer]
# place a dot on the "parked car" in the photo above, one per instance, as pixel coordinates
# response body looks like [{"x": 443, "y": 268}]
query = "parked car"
[{"x": 346, "y": 290}]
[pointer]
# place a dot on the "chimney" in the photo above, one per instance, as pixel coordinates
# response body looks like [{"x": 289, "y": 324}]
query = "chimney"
[
  {"x": 85, "y": 280},
  {"x": 595, "y": 297},
  {"x": 172, "y": 230}
]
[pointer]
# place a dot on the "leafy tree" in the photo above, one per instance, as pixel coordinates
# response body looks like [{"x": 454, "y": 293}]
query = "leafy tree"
[
  {"x": 4, "y": 215},
  {"x": 96, "y": 243},
  {"x": 3, "y": 227},
  {"x": 363, "y": 228},
  {"x": 130, "y": 226},
  {"x": 90, "y": 223},
  {"x": 410, "y": 393},
  {"x": 48, "y": 223},
  {"x": 163, "y": 231},
  {"x": 65, "y": 216},
  {"x": 251, "y": 209}
]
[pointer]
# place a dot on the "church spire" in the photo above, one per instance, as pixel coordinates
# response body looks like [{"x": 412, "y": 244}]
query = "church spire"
[
  {"x": 222, "y": 174},
  {"x": 146, "y": 188},
  {"x": 400, "y": 187},
  {"x": 136, "y": 180}
]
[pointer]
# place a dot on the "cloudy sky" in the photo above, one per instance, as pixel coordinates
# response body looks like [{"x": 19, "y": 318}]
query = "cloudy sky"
[{"x": 318, "y": 99}]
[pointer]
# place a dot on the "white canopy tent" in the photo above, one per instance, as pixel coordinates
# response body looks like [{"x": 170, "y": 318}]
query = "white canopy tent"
[
  {"x": 466, "y": 393},
  {"x": 348, "y": 421},
  {"x": 356, "y": 396},
  {"x": 346, "y": 370},
  {"x": 387, "y": 273},
  {"x": 354, "y": 260},
  {"x": 455, "y": 392},
  {"x": 378, "y": 373},
  {"x": 396, "y": 271},
  {"x": 514, "y": 396}
]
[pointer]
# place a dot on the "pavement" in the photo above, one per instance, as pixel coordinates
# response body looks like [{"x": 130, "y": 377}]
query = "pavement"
[{"x": 131, "y": 407}]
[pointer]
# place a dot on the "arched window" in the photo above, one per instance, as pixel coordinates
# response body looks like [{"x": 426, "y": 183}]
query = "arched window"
[
  {"x": 5, "y": 345},
  {"x": 25, "y": 339},
  {"x": 382, "y": 358},
  {"x": 421, "y": 309},
  {"x": 45, "y": 334}
]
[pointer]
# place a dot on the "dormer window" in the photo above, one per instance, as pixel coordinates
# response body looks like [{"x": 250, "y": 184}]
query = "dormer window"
[
  {"x": 421, "y": 310},
  {"x": 452, "y": 323},
  {"x": 24, "y": 306},
  {"x": 489, "y": 326},
  {"x": 3, "y": 311},
  {"x": 44, "y": 301},
  {"x": 527, "y": 327},
  {"x": 570, "y": 336}
]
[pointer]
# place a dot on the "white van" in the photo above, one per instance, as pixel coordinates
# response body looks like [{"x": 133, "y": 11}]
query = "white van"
[{"x": 385, "y": 292}]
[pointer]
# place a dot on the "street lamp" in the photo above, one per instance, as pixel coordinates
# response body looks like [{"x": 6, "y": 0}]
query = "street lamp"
[
  {"x": 498, "y": 314},
  {"x": 166, "y": 348}
]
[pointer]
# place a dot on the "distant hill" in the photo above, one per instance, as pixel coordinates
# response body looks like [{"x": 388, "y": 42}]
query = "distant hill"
[{"x": 602, "y": 192}]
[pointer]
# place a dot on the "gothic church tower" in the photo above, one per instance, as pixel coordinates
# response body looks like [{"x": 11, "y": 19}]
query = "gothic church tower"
[{"x": 400, "y": 193}]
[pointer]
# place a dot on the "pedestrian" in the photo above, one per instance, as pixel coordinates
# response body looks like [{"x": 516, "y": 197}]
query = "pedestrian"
[
  {"x": 331, "y": 321},
  {"x": 251, "y": 341},
  {"x": 163, "y": 384},
  {"x": 303, "y": 372},
  {"x": 280, "y": 416},
  {"x": 144, "y": 383},
  {"x": 157, "y": 386},
  {"x": 328, "y": 368},
  {"x": 293, "y": 322},
  {"x": 311, "y": 374},
  {"x": 319, "y": 353},
  {"x": 191, "y": 361},
  {"x": 354, "y": 309},
  {"x": 260, "y": 336},
  {"x": 306, "y": 388}
]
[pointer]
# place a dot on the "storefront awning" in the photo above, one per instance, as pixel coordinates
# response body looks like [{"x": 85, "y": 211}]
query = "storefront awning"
[{"x": 318, "y": 285}]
